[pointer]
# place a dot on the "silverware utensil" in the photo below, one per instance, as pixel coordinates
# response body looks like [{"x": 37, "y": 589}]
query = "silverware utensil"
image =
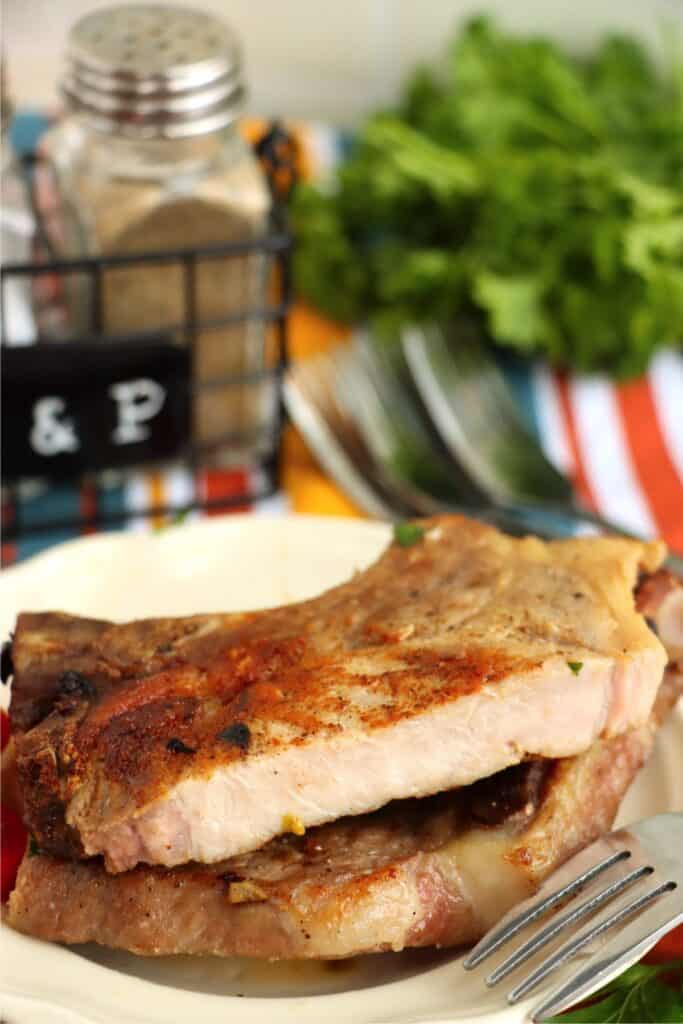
[
  {"x": 633, "y": 880},
  {"x": 474, "y": 412},
  {"x": 339, "y": 447},
  {"x": 404, "y": 430},
  {"x": 375, "y": 388},
  {"x": 309, "y": 398},
  {"x": 475, "y": 415}
]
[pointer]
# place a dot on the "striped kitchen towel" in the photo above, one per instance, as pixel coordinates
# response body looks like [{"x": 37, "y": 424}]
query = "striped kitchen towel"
[{"x": 622, "y": 444}]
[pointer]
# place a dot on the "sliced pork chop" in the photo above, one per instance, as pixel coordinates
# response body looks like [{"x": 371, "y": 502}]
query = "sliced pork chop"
[
  {"x": 168, "y": 741},
  {"x": 436, "y": 871},
  {"x": 659, "y": 596}
]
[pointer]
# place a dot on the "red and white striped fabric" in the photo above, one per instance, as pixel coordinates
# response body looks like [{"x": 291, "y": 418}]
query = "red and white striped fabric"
[{"x": 622, "y": 444}]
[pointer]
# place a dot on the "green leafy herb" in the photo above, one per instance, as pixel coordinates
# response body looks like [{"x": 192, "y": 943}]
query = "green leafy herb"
[
  {"x": 407, "y": 534},
  {"x": 575, "y": 666},
  {"x": 535, "y": 194},
  {"x": 643, "y": 993},
  {"x": 176, "y": 519},
  {"x": 33, "y": 849}
]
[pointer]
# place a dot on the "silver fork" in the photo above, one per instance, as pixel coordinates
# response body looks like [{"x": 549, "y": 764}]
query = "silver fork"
[
  {"x": 474, "y": 412},
  {"x": 360, "y": 408},
  {"x": 635, "y": 882},
  {"x": 312, "y": 400},
  {"x": 470, "y": 403},
  {"x": 334, "y": 404}
]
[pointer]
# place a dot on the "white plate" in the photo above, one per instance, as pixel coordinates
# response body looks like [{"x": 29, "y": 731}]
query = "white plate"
[{"x": 234, "y": 563}]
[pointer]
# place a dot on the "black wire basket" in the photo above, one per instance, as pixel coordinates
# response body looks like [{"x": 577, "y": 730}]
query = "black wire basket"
[{"x": 75, "y": 379}]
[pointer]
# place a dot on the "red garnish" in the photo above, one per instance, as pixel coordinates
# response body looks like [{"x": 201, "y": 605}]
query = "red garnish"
[
  {"x": 14, "y": 835},
  {"x": 4, "y": 729},
  {"x": 668, "y": 948},
  {"x": 13, "y": 847}
]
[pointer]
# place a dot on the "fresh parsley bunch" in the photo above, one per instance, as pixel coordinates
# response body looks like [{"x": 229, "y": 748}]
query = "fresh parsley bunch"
[{"x": 538, "y": 194}]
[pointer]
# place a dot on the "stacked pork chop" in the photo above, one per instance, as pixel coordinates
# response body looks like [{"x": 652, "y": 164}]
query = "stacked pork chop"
[{"x": 392, "y": 764}]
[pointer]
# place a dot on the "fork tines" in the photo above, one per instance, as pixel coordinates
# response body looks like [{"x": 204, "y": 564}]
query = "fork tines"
[{"x": 644, "y": 917}]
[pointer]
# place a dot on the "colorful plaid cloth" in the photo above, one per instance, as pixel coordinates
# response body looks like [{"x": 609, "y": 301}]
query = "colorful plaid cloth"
[{"x": 621, "y": 444}]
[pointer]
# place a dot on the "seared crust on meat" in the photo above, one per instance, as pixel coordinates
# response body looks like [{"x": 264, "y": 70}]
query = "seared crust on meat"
[
  {"x": 127, "y": 733},
  {"x": 418, "y": 872}
]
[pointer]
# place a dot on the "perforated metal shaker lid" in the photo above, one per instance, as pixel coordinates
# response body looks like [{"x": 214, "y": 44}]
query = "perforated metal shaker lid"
[{"x": 153, "y": 71}]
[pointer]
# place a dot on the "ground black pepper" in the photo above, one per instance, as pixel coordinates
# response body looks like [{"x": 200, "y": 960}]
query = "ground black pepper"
[
  {"x": 33, "y": 849},
  {"x": 177, "y": 746},
  {"x": 75, "y": 684},
  {"x": 238, "y": 735},
  {"x": 231, "y": 876},
  {"x": 6, "y": 663}
]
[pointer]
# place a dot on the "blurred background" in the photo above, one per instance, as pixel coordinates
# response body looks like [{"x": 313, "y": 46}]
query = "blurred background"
[
  {"x": 329, "y": 60},
  {"x": 377, "y": 258}
]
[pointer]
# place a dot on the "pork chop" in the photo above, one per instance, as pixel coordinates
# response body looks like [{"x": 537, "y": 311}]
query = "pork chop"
[
  {"x": 436, "y": 871},
  {"x": 176, "y": 740}
]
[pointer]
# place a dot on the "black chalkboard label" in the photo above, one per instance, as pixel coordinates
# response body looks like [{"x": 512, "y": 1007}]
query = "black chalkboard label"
[{"x": 69, "y": 408}]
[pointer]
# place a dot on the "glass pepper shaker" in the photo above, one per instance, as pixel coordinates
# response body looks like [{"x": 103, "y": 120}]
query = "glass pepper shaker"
[
  {"x": 149, "y": 158},
  {"x": 17, "y": 230}
]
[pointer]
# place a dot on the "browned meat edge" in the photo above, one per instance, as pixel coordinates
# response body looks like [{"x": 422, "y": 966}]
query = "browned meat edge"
[
  {"x": 81, "y": 690},
  {"x": 437, "y": 871}
]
